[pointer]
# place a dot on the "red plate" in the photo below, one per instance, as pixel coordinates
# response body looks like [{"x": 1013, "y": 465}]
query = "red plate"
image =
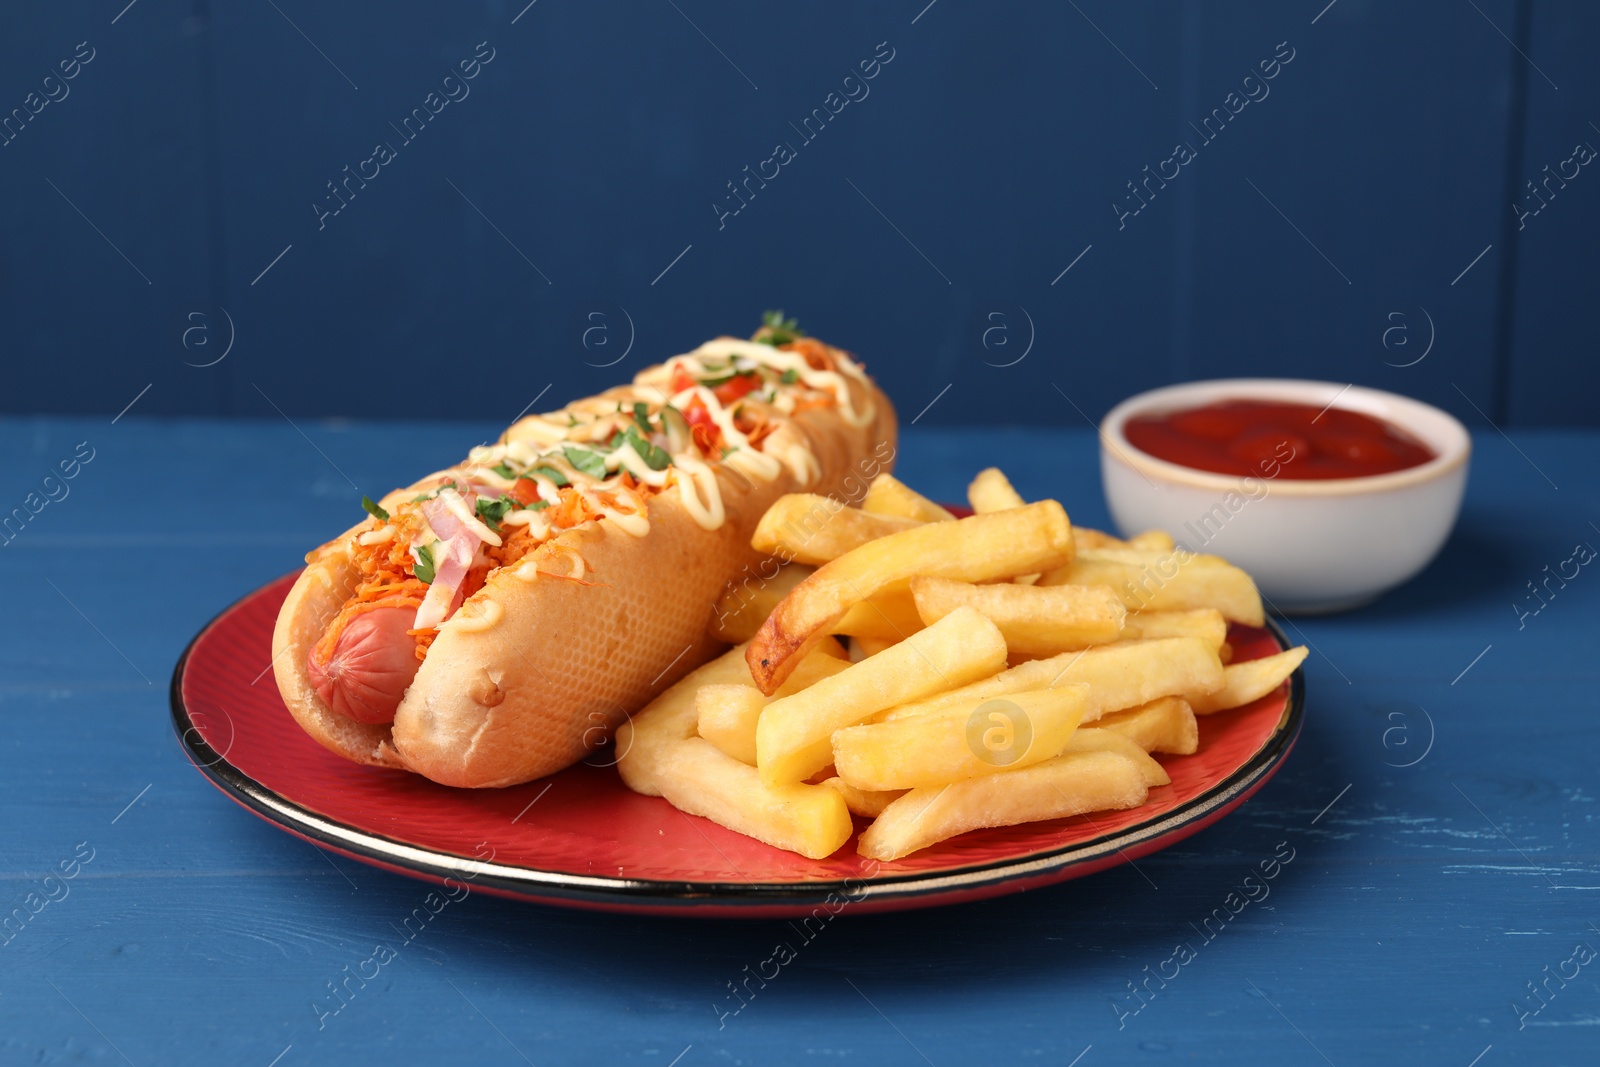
[{"x": 580, "y": 838}]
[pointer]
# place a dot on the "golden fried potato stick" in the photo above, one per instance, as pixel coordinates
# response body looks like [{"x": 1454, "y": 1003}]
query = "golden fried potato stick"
[
  {"x": 887, "y": 495},
  {"x": 812, "y": 529},
  {"x": 975, "y": 549},
  {"x": 792, "y": 733},
  {"x": 1165, "y": 581},
  {"x": 728, "y": 713},
  {"x": 1070, "y": 784},
  {"x": 696, "y": 777},
  {"x": 1035, "y": 620},
  {"x": 1165, "y": 725},
  {"x": 1251, "y": 680},
  {"x": 1118, "y": 676},
  {"x": 744, "y": 606},
  {"x": 998, "y": 735}
]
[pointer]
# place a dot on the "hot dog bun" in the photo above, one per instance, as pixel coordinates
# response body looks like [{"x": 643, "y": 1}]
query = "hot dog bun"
[{"x": 528, "y": 675}]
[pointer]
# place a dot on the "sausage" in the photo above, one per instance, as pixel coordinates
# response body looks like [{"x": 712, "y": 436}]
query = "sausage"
[{"x": 372, "y": 665}]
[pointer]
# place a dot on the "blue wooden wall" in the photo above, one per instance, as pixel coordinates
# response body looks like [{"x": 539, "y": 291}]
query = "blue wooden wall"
[{"x": 1349, "y": 217}]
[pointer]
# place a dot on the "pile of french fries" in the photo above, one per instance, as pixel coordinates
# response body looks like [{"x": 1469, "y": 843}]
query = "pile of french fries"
[{"x": 998, "y": 669}]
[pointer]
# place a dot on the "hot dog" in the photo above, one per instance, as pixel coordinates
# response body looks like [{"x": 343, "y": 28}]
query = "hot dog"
[{"x": 492, "y": 622}]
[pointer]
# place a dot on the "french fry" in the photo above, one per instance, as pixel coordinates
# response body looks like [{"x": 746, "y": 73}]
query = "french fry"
[
  {"x": 868, "y": 646},
  {"x": 891, "y": 615},
  {"x": 1165, "y": 581},
  {"x": 1004, "y": 734},
  {"x": 1204, "y": 623},
  {"x": 743, "y": 607},
  {"x": 1088, "y": 540},
  {"x": 727, "y": 714},
  {"x": 1118, "y": 676},
  {"x": 1112, "y": 741},
  {"x": 991, "y": 491},
  {"x": 1070, "y": 784},
  {"x": 861, "y": 802},
  {"x": 1037, "y": 621},
  {"x": 792, "y": 734},
  {"x": 1251, "y": 680},
  {"x": 697, "y": 778},
  {"x": 975, "y": 549},
  {"x": 1117, "y": 646},
  {"x": 812, "y": 529},
  {"x": 644, "y": 739},
  {"x": 1152, "y": 541},
  {"x": 887, "y": 495},
  {"x": 1165, "y": 725}
]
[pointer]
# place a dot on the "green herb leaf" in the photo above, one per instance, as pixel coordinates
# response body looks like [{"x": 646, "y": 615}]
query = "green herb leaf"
[
  {"x": 374, "y": 510},
  {"x": 431, "y": 493},
  {"x": 492, "y": 511},
  {"x": 590, "y": 463},
  {"x": 654, "y": 457},
  {"x": 537, "y": 505},
  {"x": 553, "y": 474},
  {"x": 504, "y": 470},
  {"x": 424, "y": 567},
  {"x": 790, "y": 376},
  {"x": 641, "y": 416},
  {"x": 779, "y": 330}
]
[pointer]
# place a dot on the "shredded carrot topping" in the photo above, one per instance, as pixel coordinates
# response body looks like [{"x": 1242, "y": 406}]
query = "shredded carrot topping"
[
  {"x": 385, "y": 582},
  {"x": 815, "y": 352},
  {"x": 385, "y": 577}
]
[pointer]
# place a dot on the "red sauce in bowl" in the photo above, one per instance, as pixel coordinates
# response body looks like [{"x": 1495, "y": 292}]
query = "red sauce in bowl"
[{"x": 1273, "y": 439}]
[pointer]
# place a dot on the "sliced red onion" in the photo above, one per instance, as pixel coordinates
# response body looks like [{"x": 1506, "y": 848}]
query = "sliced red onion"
[{"x": 452, "y": 559}]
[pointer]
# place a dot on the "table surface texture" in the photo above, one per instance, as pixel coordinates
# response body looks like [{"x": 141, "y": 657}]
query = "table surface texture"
[{"x": 1440, "y": 809}]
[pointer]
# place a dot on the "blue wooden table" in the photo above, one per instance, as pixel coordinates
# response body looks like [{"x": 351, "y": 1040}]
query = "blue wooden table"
[{"x": 1438, "y": 823}]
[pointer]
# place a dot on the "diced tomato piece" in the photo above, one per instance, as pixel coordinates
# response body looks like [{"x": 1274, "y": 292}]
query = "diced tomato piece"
[
  {"x": 524, "y": 492},
  {"x": 730, "y": 391},
  {"x": 681, "y": 380},
  {"x": 702, "y": 427}
]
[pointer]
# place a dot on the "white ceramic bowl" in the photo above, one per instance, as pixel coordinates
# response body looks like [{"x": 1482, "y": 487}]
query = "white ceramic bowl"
[{"x": 1312, "y": 545}]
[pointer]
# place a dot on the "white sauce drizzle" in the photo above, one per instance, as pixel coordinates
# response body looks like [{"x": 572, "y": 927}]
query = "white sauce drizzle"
[
  {"x": 536, "y": 440},
  {"x": 464, "y": 622},
  {"x": 458, "y": 508},
  {"x": 698, "y": 479}
]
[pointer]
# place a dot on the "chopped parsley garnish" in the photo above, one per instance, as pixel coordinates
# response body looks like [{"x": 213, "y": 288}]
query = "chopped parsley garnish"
[
  {"x": 655, "y": 458},
  {"x": 591, "y": 463},
  {"x": 435, "y": 491},
  {"x": 493, "y": 511},
  {"x": 554, "y": 475},
  {"x": 779, "y": 330},
  {"x": 424, "y": 567},
  {"x": 374, "y": 510},
  {"x": 790, "y": 376}
]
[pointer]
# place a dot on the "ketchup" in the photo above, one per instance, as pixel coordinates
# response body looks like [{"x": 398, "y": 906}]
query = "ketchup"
[{"x": 1272, "y": 439}]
